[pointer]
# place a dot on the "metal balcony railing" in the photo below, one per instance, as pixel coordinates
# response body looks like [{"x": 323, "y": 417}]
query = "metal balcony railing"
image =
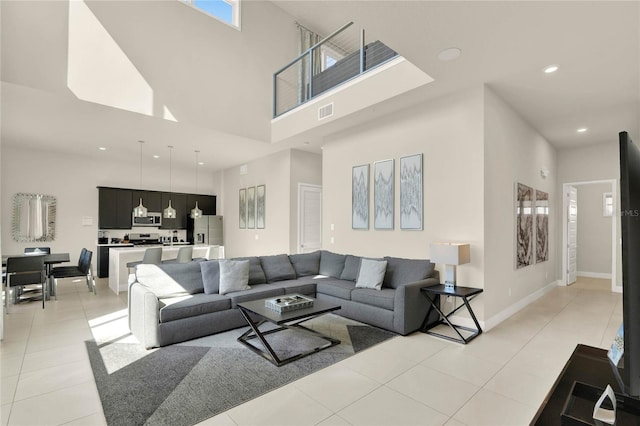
[{"x": 339, "y": 57}]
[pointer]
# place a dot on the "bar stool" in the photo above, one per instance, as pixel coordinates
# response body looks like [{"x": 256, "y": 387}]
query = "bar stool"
[
  {"x": 185, "y": 255},
  {"x": 152, "y": 255}
]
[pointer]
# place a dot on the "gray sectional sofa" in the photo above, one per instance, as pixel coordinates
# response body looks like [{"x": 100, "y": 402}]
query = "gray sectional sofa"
[{"x": 171, "y": 303}]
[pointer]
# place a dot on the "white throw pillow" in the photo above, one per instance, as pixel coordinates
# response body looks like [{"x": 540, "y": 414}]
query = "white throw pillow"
[
  {"x": 371, "y": 273},
  {"x": 234, "y": 275}
]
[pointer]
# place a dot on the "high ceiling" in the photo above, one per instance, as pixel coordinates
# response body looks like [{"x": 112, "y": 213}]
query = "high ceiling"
[{"x": 504, "y": 44}]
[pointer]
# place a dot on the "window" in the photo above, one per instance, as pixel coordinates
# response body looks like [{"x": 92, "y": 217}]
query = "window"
[
  {"x": 329, "y": 56},
  {"x": 607, "y": 204},
  {"x": 225, "y": 10}
]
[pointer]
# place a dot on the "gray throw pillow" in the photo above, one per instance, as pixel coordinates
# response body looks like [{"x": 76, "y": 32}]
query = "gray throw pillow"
[
  {"x": 351, "y": 268},
  {"x": 256, "y": 274},
  {"x": 211, "y": 276},
  {"x": 234, "y": 275},
  {"x": 306, "y": 264},
  {"x": 371, "y": 273},
  {"x": 331, "y": 264},
  {"x": 277, "y": 268}
]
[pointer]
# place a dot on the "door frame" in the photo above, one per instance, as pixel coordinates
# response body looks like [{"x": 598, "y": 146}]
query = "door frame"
[
  {"x": 299, "y": 239},
  {"x": 614, "y": 246}
]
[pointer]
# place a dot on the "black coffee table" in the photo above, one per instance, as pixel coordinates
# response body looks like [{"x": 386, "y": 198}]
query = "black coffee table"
[{"x": 285, "y": 321}]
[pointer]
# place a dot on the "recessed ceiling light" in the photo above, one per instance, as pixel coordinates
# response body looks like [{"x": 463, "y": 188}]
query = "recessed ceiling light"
[
  {"x": 102, "y": 148},
  {"x": 582, "y": 130},
  {"x": 449, "y": 54},
  {"x": 201, "y": 163},
  {"x": 156, "y": 156},
  {"x": 551, "y": 69}
]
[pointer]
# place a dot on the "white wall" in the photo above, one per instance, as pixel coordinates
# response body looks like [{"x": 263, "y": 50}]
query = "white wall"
[
  {"x": 594, "y": 232},
  {"x": 514, "y": 152},
  {"x": 73, "y": 181}
]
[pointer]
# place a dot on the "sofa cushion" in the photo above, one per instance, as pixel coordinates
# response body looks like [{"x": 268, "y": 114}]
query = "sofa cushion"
[
  {"x": 300, "y": 285},
  {"x": 351, "y": 268},
  {"x": 380, "y": 298},
  {"x": 255, "y": 292},
  {"x": 406, "y": 271},
  {"x": 335, "y": 287},
  {"x": 171, "y": 280},
  {"x": 234, "y": 275},
  {"x": 210, "y": 276},
  {"x": 256, "y": 274},
  {"x": 306, "y": 264},
  {"x": 371, "y": 274},
  {"x": 331, "y": 264},
  {"x": 189, "y": 306},
  {"x": 277, "y": 268}
]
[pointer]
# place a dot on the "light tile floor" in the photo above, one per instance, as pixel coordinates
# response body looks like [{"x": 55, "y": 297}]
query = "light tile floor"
[{"x": 498, "y": 379}]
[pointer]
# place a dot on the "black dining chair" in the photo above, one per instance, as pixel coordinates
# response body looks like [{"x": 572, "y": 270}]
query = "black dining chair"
[
  {"x": 23, "y": 271},
  {"x": 83, "y": 269}
]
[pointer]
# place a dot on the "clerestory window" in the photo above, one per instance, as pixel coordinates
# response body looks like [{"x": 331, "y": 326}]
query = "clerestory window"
[{"x": 227, "y": 11}]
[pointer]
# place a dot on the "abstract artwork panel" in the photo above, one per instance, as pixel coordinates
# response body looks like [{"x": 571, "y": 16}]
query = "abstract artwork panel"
[
  {"x": 260, "y": 206},
  {"x": 251, "y": 207},
  {"x": 242, "y": 208},
  {"x": 542, "y": 226},
  {"x": 524, "y": 225},
  {"x": 360, "y": 197},
  {"x": 383, "y": 194},
  {"x": 411, "y": 192}
]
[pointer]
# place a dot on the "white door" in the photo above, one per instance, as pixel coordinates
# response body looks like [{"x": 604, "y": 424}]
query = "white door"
[
  {"x": 572, "y": 234},
  {"x": 309, "y": 218}
]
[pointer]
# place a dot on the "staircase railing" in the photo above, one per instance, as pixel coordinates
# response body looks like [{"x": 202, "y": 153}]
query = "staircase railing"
[{"x": 339, "y": 57}]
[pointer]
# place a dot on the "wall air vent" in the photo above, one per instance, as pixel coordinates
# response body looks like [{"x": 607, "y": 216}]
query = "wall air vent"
[{"x": 325, "y": 111}]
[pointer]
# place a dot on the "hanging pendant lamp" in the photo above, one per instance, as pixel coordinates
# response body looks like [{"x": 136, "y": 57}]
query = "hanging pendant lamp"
[
  {"x": 140, "y": 211},
  {"x": 196, "y": 212},
  {"x": 169, "y": 212}
]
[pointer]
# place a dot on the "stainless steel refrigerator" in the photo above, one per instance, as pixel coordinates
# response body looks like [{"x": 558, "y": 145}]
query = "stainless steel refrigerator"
[{"x": 208, "y": 230}]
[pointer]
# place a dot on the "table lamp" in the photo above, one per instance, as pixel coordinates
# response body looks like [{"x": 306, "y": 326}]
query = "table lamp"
[{"x": 451, "y": 255}]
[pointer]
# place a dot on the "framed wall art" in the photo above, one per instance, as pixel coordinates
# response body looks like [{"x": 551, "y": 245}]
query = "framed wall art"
[
  {"x": 251, "y": 207},
  {"x": 383, "y": 194},
  {"x": 260, "y": 206},
  {"x": 542, "y": 226},
  {"x": 411, "y": 192},
  {"x": 242, "y": 208},
  {"x": 360, "y": 197},
  {"x": 524, "y": 225}
]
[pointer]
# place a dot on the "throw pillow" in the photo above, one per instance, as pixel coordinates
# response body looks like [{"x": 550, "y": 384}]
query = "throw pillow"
[
  {"x": 371, "y": 273},
  {"x": 211, "y": 276},
  {"x": 256, "y": 274},
  {"x": 306, "y": 264},
  {"x": 351, "y": 268},
  {"x": 331, "y": 264},
  {"x": 277, "y": 268},
  {"x": 234, "y": 275}
]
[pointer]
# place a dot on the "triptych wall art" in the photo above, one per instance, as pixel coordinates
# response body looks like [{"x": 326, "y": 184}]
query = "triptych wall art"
[
  {"x": 411, "y": 194},
  {"x": 532, "y": 226},
  {"x": 252, "y": 207}
]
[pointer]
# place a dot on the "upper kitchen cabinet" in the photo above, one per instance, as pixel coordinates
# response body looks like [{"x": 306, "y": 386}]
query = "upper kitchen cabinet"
[
  {"x": 152, "y": 200},
  {"x": 115, "y": 208},
  {"x": 178, "y": 202},
  {"x": 206, "y": 203}
]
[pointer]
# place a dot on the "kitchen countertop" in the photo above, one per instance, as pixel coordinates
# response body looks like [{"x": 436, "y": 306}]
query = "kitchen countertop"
[{"x": 116, "y": 245}]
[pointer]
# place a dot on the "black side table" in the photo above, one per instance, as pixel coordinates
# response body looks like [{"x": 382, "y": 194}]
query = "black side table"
[{"x": 433, "y": 293}]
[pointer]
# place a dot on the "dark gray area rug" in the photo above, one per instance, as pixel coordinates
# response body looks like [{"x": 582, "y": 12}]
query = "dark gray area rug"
[{"x": 187, "y": 383}]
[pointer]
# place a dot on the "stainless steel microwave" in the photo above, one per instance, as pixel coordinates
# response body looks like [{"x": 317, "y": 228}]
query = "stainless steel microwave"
[{"x": 152, "y": 219}]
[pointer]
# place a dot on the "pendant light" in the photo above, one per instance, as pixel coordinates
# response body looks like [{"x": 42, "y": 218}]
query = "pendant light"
[
  {"x": 140, "y": 211},
  {"x": 169, "y": 212},
  {"x": 196, "y": 212}
]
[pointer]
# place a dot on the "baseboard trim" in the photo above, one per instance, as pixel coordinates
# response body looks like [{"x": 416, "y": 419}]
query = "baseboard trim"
[{"x": 587, "y": 274}]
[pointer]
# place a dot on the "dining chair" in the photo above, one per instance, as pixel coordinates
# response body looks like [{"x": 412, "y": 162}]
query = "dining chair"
[
  {"x": 83, "y": 269},
  {"x": 152, "y": 255},
  {"x": 22, "y": 271},
  {"x": 37, "y": 250}
]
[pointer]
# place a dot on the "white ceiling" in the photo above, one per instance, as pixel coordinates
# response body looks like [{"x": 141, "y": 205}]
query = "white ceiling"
[{"x": 504, "y": 45}]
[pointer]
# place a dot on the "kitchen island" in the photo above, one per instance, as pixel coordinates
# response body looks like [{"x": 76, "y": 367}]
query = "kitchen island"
[{"x": 120, "y": 256}]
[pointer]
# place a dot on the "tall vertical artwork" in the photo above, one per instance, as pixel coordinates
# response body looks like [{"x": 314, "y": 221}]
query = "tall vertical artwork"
[
  {"x": 383, "y": 194},
  {"x": 251, "y": 207},
  {"x": 261, "y": 191},
  {"x": 411, "y": 192},
  {"x": 360, "y": 197},
  {"x": 542, "y": 226},
  {"x": 524, "y": 225},
  {"x": 242, "y": 208}
]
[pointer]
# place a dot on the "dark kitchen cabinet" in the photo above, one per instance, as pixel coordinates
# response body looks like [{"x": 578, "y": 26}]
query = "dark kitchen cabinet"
[
  {"x": 178, "y": 202},
  {"x": 114, "y": 208},
  {"x": 152, "y": 200},
  {"x": 206, "y": 203}
]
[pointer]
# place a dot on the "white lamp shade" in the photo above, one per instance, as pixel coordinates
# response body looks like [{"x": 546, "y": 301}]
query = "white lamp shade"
[
  {"x": 140, "y": 211},
  {"x": 196, "y": 212},
  {"x": 450, "y": 253},
  {"x": 169, "y": 212}
]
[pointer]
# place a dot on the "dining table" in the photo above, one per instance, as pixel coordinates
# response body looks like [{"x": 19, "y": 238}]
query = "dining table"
[{"x": 50, "y": 259}]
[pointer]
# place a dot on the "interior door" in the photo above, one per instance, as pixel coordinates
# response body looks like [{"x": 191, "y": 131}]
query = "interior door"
[
  {"x": 572, "y": 235},
  {"x": 310, "y": 218}
]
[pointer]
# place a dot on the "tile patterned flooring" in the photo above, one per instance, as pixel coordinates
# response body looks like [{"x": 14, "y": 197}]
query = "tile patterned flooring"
[{"x": 498, "y": 379}]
